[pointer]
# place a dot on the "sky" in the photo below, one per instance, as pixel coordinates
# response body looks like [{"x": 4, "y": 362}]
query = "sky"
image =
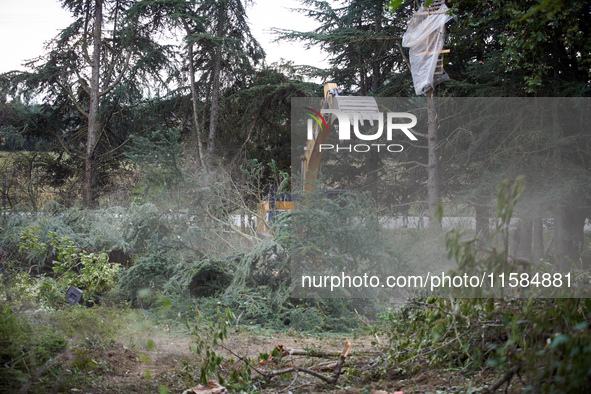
[{"x": 25, "y": 25}]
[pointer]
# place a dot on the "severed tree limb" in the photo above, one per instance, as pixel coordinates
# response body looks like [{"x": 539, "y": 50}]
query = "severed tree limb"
[
  {"x": 505, "y": 378},
  {"x": 238, "y": 318},
  {"x": 295, "y": 368},
  {"x": 328, "y": 379},
  {"x": 360, "y": 319},
  {"x": 344, "y": 355},
  {"x": 301, "y": 352},
  {"x": 243, "y": 359},
  {"x": 324, "y": 367},
  {"x": 228, "y": 225}
]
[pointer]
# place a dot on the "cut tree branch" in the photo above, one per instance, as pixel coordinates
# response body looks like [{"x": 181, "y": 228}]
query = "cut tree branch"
[
  {"x": 505, "y": 378},
  {"x": 336, "y": 368}
]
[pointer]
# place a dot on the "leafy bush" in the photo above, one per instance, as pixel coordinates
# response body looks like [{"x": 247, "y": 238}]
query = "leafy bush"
[
  {"x": 234, "y": 372},
  {"x": 547, "y": 341},
  {"x": 72, "y": 266},
  {"x": 23, "y": 349},
  {"x": 174, "y": 256},
  {"x": 150, "y": 273},
  {"x": 90, "y": 327}
]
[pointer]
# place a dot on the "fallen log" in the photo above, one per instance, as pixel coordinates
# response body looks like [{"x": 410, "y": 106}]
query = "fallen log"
[
  {"x": 283, "y": 351},
  {"x": 505, "y": 378},
  {"x": 336, "y": 368}
]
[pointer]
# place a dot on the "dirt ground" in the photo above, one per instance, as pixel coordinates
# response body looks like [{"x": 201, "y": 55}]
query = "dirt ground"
[
  {"x": 169, "y": 362},
  {"x": 166, "y": 364}
]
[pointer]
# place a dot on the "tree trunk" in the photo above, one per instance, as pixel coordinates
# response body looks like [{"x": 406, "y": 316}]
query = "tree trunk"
[
  {"x": 574, "y": 234},
  {"x": 523, "y": 246},
  {"x": 538, "y": 239},
  {"x": 376, "y": 79},
  {"x": 559, "y": 219},
  {"x": 194, "y": 101},
  {"x": 372, "y": 179},
  {"x": 569, "y": 220},
  {"x": 215, "y": 91},
  {"x": 433, "y": 190},
  {"x": 93, "y": 124},
  {"x": 560, "y": 244},
  {"x": 482, "y": 224},
  {"x": 568, "y": 236},
  {"x": 569, "y": 217}
]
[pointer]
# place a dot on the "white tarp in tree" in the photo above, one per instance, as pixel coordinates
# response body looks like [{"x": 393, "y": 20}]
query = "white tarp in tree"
[{"x": 425, "y": 35}]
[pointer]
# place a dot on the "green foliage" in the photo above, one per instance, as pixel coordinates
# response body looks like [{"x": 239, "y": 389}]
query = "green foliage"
[
  {"x": 328, "y": 228},
  {"x": 473, "y": 259},
  {"x": 142, "y": 282},
  {"x": 394, "y": 4},
  {"x": 259, "y": 115},
  {"x": 13, "y": 334},
  {"x": 209, "y": 334},
  {"x": 340, "y": 234},
  {"x": 255, "y": 283},
  {"x": 547, "y": 339},
  {"x": 23, "y": 349},
  {"x": 42, "y": 346},
  {"x": 29, "y": 178},
  {"x": 62, "y": 79},
  {"x": 31, "y": 245},
  {"x": 264, "y": 179},
  {"x": 508, "y": 192},
  {"x": 73, "y": 266},
  {"x": 513, "y": 48},
  {"x": 90, "y": 327},
  {"x": 159, "y": 157},
  {"x": 358, "y": 37},
  {"x": 130, "y": 230}
]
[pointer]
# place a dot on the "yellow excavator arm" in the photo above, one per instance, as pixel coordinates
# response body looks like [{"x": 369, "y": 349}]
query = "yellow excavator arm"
[
  {"x": 312, "y": 157},
  {"x": 365, "y": 107}
]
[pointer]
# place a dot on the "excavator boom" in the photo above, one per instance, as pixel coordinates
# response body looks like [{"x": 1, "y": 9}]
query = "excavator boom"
[{"x": 364, "y": 108}]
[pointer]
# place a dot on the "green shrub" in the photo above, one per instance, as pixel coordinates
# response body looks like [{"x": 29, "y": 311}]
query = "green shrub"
[
  {"x": 92, "y": 327},
  {"x": 72, "y": 266},
  {"x": 547, "y": 340},
  {"x": 14, "y": 337},
  {"x": 209, "y": 335},
  {"x": 23, "y": 350},
  {"x": 150, "y": 273}
]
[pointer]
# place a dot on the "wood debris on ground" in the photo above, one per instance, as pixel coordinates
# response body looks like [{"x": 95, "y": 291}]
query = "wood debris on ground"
[{"x": 212, "y": 387}]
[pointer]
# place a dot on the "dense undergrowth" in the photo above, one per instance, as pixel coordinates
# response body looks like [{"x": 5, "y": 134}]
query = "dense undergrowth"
[
  {"x": 546, "y": 343},
  {"x": 45, "y": 349},
  {"x": 145, "y": 259},
  {"x": 169, "y": 265}
]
